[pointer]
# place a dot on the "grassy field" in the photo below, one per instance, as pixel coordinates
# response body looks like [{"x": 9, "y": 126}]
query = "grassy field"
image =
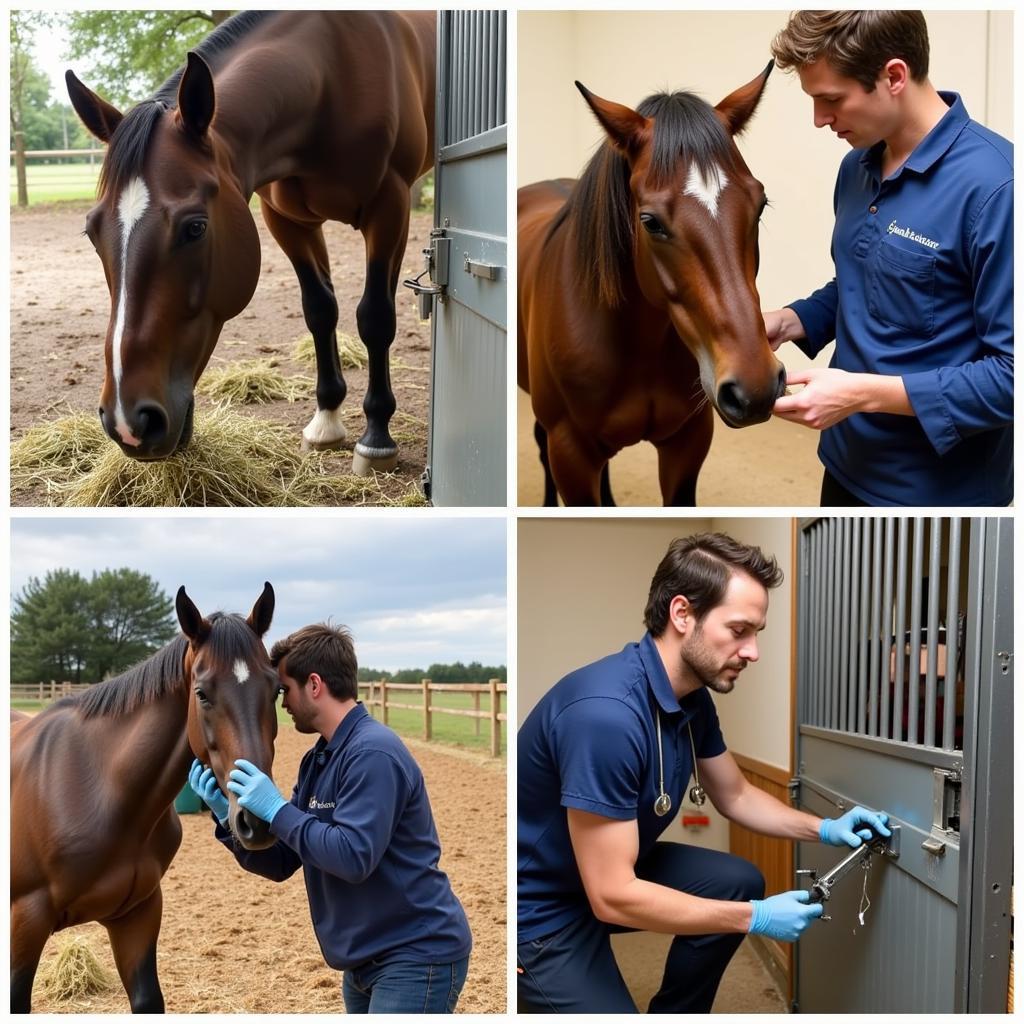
[
  {"x": 450, "y": 729},
  {"x": 52, "y": 183}
]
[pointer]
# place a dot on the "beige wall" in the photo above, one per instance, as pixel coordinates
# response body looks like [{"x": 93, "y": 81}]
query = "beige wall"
[
  {"x": 582, "y": 589},
  {"x": 626, "y": 56}
]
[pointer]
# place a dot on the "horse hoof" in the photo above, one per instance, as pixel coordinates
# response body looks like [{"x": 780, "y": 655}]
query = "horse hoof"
[
  {"x": 322, "y": 446},
  {"x": 364, "y": 464}
]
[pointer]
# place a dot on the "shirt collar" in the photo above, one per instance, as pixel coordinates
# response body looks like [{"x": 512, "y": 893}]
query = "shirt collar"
[
  {"x": 345, "y": 727},
  {"x": 931, "y": 147},
  {"x": 657, "y": 677}
]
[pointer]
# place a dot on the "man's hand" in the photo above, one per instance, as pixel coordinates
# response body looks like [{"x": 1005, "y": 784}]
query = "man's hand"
[
  {"x": 829, "y": 396},
  {"x": 204, "y": 785},
  {"x": 785, "y": 916},
  {"x": 256, "y": 792},
  {"x": 846, "y": 831},
  {"x": 782, "y": 325}
]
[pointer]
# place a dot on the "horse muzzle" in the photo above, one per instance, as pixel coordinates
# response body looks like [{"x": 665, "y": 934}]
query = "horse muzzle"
[
  {"x": 252, "y": 832},
  {"x": 149, "y": 432},
  {"x": 740, "y": 407}
]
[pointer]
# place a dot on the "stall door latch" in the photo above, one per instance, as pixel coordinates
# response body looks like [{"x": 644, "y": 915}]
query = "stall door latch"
[
  {"x": 436, "y": 256},
  {"x": 946, "y": 784}
]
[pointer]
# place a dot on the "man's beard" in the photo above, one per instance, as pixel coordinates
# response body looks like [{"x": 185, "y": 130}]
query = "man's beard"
[{"x": 702, "y": 664}]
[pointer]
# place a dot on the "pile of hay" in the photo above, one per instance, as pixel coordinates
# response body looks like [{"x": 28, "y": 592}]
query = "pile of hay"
[
  {"x": 253, "y": 381},
  {"x": 232, "y": 460},
  {"x": 351, "y": 351},
  {"x": 74, "y": 972}
]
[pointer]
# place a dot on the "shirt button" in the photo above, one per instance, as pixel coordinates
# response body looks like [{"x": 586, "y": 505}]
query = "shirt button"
[{"x": 872, "y": 209}]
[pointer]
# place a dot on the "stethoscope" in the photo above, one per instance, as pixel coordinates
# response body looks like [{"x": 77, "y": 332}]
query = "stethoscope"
[{"x": 663, "y": 803}]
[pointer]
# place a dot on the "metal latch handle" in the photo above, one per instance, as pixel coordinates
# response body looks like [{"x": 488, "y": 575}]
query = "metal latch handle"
[{"x": 487, "y": 271}]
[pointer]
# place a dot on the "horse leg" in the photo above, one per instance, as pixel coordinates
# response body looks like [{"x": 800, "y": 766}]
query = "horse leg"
[
  {"x": 606, "y": 488},
  {"x": 577, "y": 465},
  {"x": 305, "y": 247},
  {"x": 550, "y": 491},
  {"x": 31, "y": 926},
  {"x": 133, "y": 939},
  {"x": 681, "y": 456},
  {"x": 385, "y": 231}
]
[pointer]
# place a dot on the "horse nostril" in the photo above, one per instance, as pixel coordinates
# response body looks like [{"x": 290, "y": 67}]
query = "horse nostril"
[
  {"x": 151, "y": 423},
  {"x": 732, "y": 401},
  {"x": 780, "y": 390}
]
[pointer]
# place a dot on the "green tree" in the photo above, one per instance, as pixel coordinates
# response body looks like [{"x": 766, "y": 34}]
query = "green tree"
[
  {"x": 51, "y": 629},
  {"x": 24, "y": 79},
  {"x": 132, "y": 617},
  {"x": 125, "y": 55}
]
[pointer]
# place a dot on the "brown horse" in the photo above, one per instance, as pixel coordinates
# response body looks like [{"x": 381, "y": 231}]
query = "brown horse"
[
  {"x": 93, "y": 782},
  {"x": 328, "y": 115},
  {"x": 636, "y": 293}
]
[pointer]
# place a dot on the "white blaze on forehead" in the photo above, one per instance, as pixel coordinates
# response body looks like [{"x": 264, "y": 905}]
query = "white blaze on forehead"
[
  {"x": 241, "y": 671},
  {"x": 130, "y": 208},
  {"x": 706, "y": 190}
]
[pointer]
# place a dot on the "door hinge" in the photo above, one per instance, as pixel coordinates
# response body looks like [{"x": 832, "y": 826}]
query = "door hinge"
[
  {"x": 794, "y": 791},
  {"x": 436, "y": 256},
  {"x": 425, "y": 483}
]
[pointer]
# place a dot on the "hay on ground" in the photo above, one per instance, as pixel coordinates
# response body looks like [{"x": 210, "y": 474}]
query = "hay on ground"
[
  {"x": 74, "y": 972},
  {"x": 351, "y": 351},
  {"x": 232, "y": 460},
  {"x": 252, "y": 381}
]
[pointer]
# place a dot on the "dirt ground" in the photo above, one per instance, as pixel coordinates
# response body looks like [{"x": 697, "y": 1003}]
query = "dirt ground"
[
  {"x": 232, "y": 942},
  {"x": 775, "y": 463},
  {"x": 60, "y": 308}
]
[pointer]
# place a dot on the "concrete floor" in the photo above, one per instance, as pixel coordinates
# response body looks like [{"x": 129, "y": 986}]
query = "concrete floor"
[
  {"x": 746, "y": 986},
  {"x": 773, "y": 464}
]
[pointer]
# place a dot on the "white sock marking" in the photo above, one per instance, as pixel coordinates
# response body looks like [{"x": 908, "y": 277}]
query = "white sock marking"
[
  {"x": 325, "y": 427},
  {"x": 241, "y": 671},
  {"x": 706, "y": 190},
  {"x": 130, "y": 208}
]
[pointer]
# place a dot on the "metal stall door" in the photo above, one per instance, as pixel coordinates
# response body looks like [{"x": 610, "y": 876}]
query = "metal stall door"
[
  {"x": 466, "y": 455},
  {"x": 904, "y": 704}
]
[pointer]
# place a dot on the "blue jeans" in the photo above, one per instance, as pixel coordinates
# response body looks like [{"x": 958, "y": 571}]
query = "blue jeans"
[
  {"x": 573, "y": 970},
  {"x": 403, "y": 987}
]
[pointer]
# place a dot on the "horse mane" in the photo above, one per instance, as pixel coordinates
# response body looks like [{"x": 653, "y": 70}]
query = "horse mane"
[
  {"x": 160, "y": 673},
  {"x": 599, "y": 212},
  {"x": 126, "y": 151}
]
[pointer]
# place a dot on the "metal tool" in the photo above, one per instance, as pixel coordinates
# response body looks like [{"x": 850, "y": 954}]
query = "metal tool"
[{"x": 878, "y": 845}]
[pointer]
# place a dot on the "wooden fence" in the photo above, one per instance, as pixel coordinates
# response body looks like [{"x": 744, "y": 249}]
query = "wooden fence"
[
  {"x": 45, "y": 691},
  {"x": 379, "y": 694}
]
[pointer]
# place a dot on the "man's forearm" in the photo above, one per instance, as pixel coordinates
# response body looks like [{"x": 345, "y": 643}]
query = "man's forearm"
[
  {"x": 759, "y": 811},
  {"x": 650, "y": 907},
  {"x": 883, "y": 393}
]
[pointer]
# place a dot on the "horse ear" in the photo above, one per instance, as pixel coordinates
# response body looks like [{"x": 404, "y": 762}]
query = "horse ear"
[
  {"x": 196, "y": 102},
  {"x": 192, "y": 623},
  {"x": 623, "y": 125},
  {"x": 738, "y": 107},
  {"x": 262, "y": 611},
  {"x": 96, "y": 114}
]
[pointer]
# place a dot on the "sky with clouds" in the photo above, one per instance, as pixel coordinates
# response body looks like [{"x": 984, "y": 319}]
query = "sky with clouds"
[{"x": 413, "y": 590}]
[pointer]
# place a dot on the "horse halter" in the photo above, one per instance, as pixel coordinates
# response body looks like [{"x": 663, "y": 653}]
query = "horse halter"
[{"x": 663, "y": 803}]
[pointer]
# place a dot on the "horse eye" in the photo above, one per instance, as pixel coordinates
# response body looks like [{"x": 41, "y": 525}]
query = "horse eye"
[
  {"x": 194, "y": 230},
  {"x": 653, "y": 226},
  {"x": 203, "y": 699}
]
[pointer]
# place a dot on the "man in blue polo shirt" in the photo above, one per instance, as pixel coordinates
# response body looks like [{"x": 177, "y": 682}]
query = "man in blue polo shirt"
[
  {"x": 605, "y": 759},
  {"x": 916, "y": 407},
  {"x": 359, "y": 824}
]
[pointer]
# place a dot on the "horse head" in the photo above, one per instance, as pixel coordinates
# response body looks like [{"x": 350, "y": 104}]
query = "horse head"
[
  {"x": 232, "y": 709},
  {"x": 694, "y": 209},
  {"x": 179, "y": 249}
]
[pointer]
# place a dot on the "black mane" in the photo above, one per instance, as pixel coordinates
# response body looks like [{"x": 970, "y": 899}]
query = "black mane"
[
  {"x": 599, "y": 213},
  {"x": 230, "y": 637},
  {"x": 126, "y": 151}
]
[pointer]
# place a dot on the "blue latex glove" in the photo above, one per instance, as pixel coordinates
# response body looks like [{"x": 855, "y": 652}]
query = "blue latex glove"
[
  {"x": 844, "y": 831},
  {"x": 204, "y": 785},
  {"x": 784, "y": 916},
  {"x": 256, "y": 792}
]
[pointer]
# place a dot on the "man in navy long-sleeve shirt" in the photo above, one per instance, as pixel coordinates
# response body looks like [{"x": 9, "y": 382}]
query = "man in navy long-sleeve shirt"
[
  {"x": 359, "y": 825},
  {"x": 916, "y": 407}
]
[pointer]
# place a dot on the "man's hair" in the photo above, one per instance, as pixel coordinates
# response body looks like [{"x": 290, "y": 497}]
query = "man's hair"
[
  {"x": 699, "y": 569},
  {"x": 857, "y": 44},
  {"x": 324, "y": 649}
]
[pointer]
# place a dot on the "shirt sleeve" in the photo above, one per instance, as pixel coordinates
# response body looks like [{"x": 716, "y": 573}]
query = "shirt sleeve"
[
  {"x": 366, "y": 812},
  {"x": 600, "y": 751},
  {"x": 954, "y": 402},
  {"x": 277, "y": 862}
]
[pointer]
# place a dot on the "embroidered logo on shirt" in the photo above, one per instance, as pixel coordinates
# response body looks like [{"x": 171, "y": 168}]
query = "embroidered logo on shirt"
[
  {"x": 895, "y": 229},
  {"x": 315, "y": 804}
]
